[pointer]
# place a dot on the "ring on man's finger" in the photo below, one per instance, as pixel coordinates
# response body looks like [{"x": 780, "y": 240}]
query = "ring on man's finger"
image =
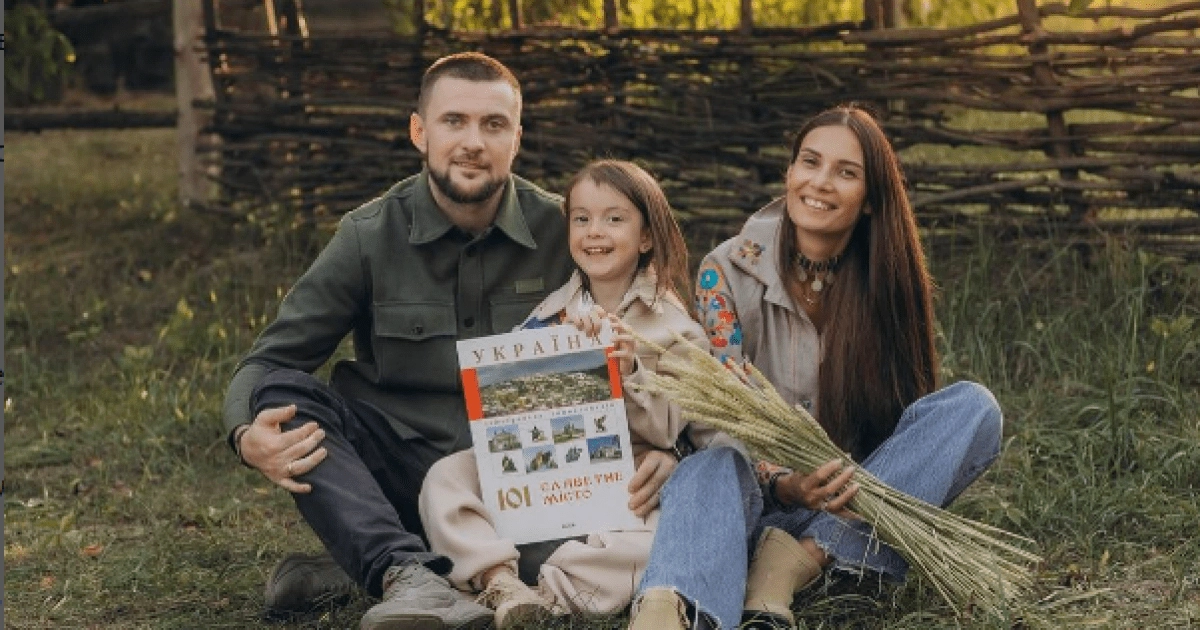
[{"x": 290, "y": 472}]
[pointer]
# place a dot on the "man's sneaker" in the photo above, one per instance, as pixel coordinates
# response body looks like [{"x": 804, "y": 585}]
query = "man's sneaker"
[
  {"x": 513, "y": 601},
  {"x": 415, "y": 598},
  {"x": 302, "y": 583}
]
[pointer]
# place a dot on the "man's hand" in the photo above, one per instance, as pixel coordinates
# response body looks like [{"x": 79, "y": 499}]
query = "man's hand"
[
  {"x": 652, "y": 472},
  {"x": 827, "y": 489},
  {"x": 281, "y": 455}
]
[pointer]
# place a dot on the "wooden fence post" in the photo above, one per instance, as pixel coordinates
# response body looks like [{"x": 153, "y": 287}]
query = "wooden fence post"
[
  {"x": 514, "y": 13},
  {"x": 1059, "y": 146},
  {"x": 193, "y": 81},
  {"x": 294, "y": 21},
  {"x": 295, "y": 26},
  {"x": 270, "y": 18},
  {"x": 873, "y": 12},
  {"x": 419, "y": 23},
  {"x": 881, "y": 13}
]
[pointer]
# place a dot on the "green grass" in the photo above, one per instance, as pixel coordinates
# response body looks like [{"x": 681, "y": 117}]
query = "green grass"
[{"x": 124, "y": 316}]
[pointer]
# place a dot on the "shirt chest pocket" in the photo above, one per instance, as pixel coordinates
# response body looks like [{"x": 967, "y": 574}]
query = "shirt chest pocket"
[
  {"x": 414, "y": 344},
  {"x": 512, "y": 312}
]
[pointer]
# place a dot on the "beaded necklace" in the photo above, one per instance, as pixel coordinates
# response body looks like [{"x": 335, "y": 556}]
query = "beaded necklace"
[{"x": 821, "y": 273}]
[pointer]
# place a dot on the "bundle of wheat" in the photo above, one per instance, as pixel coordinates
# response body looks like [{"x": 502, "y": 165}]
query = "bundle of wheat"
[{"x": 969, "y": 563}]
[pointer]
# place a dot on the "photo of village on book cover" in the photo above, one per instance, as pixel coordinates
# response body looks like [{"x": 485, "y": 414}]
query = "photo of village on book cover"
[{"x": 551, "y": 438}]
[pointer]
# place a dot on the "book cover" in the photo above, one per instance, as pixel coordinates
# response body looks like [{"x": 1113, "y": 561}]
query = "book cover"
[{"x": 550, "y": 433}]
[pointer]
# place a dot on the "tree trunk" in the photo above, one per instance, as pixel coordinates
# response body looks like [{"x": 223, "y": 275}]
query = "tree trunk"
[
  {"x": 746, "y": 23},
  {"x": 193, "y": 81},
  {"x": 610, "y": 15}
]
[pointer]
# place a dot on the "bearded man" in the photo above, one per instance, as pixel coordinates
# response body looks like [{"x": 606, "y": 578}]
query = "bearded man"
[{"x": 462, "y": 249}]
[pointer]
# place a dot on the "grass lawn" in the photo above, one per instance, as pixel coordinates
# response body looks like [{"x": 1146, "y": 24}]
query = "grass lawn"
[{"x": 125, "y": 315}]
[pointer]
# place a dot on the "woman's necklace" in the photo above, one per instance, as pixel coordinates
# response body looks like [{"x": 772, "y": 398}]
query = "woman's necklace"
[{"x": 821, "y": 273}]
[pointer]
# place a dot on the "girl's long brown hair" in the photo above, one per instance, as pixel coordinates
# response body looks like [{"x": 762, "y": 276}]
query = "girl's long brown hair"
[
  {"x": 668, "y": 251},
  {"x": 879, "y": 352}
]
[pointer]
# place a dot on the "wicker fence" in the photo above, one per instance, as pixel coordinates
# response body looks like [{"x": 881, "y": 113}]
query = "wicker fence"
[{"x": 1066, "y": 122}]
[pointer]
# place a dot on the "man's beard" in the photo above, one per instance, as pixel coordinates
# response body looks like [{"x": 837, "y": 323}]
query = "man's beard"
[{"x": 457, "y": 194}]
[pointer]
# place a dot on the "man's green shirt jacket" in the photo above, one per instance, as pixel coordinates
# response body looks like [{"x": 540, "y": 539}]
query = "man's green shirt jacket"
[{"x": 408, "y": 284}]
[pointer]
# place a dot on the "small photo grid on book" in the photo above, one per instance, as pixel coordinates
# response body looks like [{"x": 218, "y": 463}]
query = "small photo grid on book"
[
  {"x": 569, "y": 432},
  {"x": 536, "y": 432},
  {"x": 604, "y": 448},
  {"x": 540, "y": 458}
]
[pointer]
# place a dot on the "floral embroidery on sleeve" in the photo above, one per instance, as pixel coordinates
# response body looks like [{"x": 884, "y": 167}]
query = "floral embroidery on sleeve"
[{"x": 714, "y": 303}]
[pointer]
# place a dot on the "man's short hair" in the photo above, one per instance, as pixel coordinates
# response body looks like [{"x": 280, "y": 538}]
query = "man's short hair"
[{"x": 471, "y": 66}]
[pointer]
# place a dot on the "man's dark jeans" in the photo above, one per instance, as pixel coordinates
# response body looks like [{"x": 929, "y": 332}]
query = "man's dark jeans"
[{"x": 363, "y": 503}]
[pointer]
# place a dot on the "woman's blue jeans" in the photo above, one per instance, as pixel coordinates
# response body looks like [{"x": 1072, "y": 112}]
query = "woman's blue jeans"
[{"x": 712, "y": 504}]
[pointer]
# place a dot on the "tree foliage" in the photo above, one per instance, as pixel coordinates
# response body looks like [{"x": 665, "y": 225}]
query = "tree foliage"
[
  {"x": 495, "y": 15},
  {"x": 37, "y": 59}
]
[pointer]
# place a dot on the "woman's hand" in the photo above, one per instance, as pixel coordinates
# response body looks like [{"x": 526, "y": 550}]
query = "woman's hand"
[
  {"x": 652, "y": 472},
  {"x": 282, "y": 455},
  {"x": 827, "y": 489}
]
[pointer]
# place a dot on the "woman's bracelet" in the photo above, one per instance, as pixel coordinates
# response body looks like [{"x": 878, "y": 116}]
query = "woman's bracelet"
[{"x": 772, "y": 483}]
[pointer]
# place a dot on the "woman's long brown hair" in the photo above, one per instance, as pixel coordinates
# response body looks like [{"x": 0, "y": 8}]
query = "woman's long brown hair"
[{"x": 879, "y": 352}]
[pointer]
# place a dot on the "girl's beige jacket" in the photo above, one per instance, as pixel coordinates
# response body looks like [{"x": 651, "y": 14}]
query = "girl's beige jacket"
[{"x": 598, "y": 575}]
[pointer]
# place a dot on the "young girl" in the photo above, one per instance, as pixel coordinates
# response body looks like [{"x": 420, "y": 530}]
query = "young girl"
[{"x": 630, "y": 253}]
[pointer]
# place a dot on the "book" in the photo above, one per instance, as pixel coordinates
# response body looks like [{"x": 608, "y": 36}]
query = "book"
[{"x": 551, "y": 439}]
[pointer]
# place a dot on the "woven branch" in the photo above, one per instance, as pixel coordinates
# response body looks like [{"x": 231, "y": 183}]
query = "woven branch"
[{"x": 712, "y": 111}]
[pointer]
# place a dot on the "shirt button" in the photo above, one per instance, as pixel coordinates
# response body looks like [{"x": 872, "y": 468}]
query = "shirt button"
[
  {"x": 470, "y": 252},
  {"x": 469, "y": 322},
  {"x": 418, "y": 329}
]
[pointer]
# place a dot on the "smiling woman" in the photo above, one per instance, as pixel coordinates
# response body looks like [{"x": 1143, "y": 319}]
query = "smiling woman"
[
  {"x": 826, "y": 292},
  {"x": 825, "y": 191}
]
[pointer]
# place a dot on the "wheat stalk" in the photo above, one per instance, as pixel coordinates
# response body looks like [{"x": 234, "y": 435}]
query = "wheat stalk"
[{"x": 968, "y": 562}]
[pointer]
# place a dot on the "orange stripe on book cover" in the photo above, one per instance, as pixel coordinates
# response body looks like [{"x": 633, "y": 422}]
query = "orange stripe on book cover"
[
  {"x": 614, "y": 373},
  {"x": 470, "y": 382}
]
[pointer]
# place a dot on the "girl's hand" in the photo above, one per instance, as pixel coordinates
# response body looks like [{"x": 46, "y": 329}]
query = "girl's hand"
[
  {"x": 827, "y": 489},
  {"x": 589, "y": 322},
  {"x": 652, "y": 472},
  {"x": 741, "y": 371},
  {"x": 624, "y": 345}
]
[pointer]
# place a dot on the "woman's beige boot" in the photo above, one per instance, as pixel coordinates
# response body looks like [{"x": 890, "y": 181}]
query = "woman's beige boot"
[
  {"x": 779, "y": 568},
  {"x": 659, "y": 609}
]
